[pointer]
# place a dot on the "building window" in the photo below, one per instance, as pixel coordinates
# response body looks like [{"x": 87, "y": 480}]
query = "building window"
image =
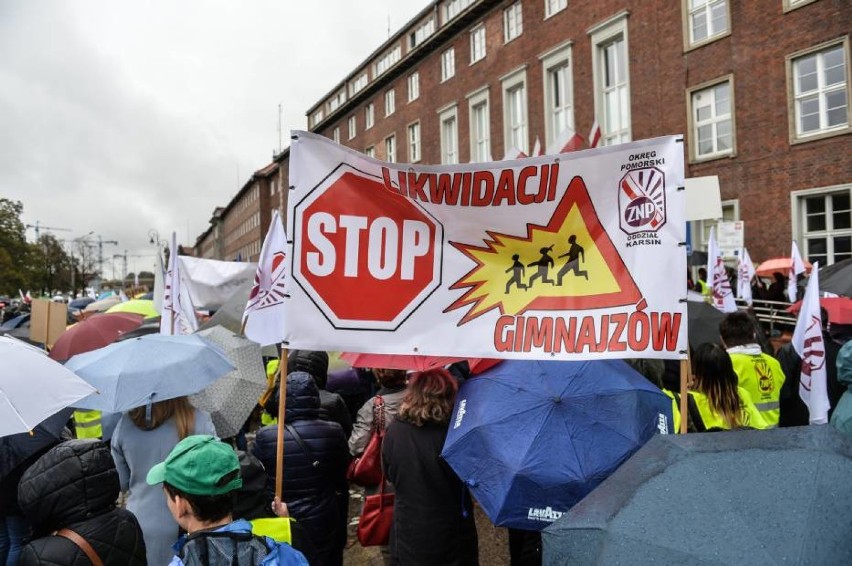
[
  {"x": 390, "y": 102},
  {"x": 337, "y": 101},
  {"x": 414, "y": 142},
  {"x": 712, "y": 117},
  {"x": 370, "y": 152},
  {"x": 824, "y": 218},
  {"x": 336, "y": 135},
  {"x": 317, "y": 117},
  {"x": 558, "y": 93},
  {"x": 515, "y": 112},
  {"x": 352, "y": 127},
  {"x": 477, "y": 43},
  {"x": 448, "y": 64},
  {"x": 513, "y": 22},
  {"x": 455, "y": 7},
  {"x": 820, "y": 91},
  {"x": 387, "y": 61},
  {"x": 421, "y": 33},
  {"x": 793, "y": 4},
  {"x": 413, "y": 86},
  {"x": 553, "y": 6},
  {"x": 701, "y": 228},
  {"x": 390, "y": 149},
  {"x": 449, "y": 135},
  {"x": 612, "y": 79},
  {"x": 369, "y": 116},
  {"x": 480, "y": 126},
  {"x": 358, "y": 84},
  {"x": 707, "y": 20}
]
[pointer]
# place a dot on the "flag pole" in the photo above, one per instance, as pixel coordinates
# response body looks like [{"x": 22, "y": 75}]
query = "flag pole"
[
  {"x": 684, "y": 406},
  {"x": 282, "y": 406}
]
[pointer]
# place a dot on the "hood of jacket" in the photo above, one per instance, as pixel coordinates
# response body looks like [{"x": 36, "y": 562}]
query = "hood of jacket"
[
  {"x": 314, "y": 362},
  {"x": 74, "y": 481},
  {"x": 303, "y": 398}
]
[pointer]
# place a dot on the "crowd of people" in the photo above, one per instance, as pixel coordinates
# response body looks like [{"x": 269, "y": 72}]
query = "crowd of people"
[{"x": 191, "y": 498}]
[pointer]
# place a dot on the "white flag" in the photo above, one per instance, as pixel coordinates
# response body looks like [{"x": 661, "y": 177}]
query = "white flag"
[
  {"x": 745, "y": 273},
  {"x": 797, "y": 266},
  {"x": 536, "y": 148},
  {"x": 263, "y": 317},
  {"x": 808, "y": 342},
  {"x": 178, "y": 315},
  {"x": 723, "y": 298}
]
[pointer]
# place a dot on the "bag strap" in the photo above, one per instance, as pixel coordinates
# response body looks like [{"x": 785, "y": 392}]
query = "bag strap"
[
  {"x": 302, "y": 444},
  {"x": 379, "y": 414},
  {"x": 693, "y": 414},
  {"x": 83, "y": 544}
]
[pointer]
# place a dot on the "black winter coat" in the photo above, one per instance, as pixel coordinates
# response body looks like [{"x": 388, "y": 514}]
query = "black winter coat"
[
  {"x": 311, "y": 482},
  {"x": 75, "y": 486}
]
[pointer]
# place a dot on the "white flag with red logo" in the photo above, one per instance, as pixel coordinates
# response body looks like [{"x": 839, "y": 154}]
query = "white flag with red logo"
[
  {"x": 723, "y": 298},
  {"x": 263, "y": 317},
  {"x": 809, "y": 344},
  {"x": 745, "y": 273},
  {"x": 797, "y": 266},
  {"x": 595, "y": 134},
  {"x": 178, "y": 314},
  {"x": 567, "y": 140}
]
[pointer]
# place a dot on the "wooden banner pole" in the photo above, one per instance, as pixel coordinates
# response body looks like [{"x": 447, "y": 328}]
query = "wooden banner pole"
[
  {"x": 684, "y": 407},
  {"x": 282, "y": 406}
]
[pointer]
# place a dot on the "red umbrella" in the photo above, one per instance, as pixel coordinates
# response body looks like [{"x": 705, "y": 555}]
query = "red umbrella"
[
  {"x": 780, "y": 264},
  {"x": 839, "y": 309},
  {"x": 412, "y": 362},
  {"x": 95, "y": 332}
]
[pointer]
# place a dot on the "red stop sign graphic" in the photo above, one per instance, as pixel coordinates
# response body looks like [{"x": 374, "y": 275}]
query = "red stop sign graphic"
[{"x": 366, "y": 256}]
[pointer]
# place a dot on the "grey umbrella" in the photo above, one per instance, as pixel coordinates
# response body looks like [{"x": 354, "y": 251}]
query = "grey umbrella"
[
  {"x": 230, "y": 316},
  {"x": 231, "y": 398},
  {"x": 837, "y": 278},
  {"x": 779, "y": 496}
]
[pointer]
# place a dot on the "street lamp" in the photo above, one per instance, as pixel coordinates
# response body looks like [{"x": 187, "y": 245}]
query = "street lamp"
[{"x": 154, "y": 239}]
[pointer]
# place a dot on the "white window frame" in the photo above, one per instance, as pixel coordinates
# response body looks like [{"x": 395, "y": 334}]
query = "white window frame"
[
  {"x": 388, "y": 59},
  {"x": 414, "y": 142},
  {"x": 358, "y": 84},
  {"x": 448, "y": 64},
  {"x": 709, "y": 89},
  {"x": 793, "y": 97},
  {"x": 337, "y": 101},
  {"x": 390, "y": 102},
  {"x": 421, "y": 33},
  {"x": 353, "y": 127},
  {"x": 602, "y": 35},
  {"x": 390, "y": 148},
  {"x": 516, "y": 134},
  {"x": 369, "y": 116},
  {"x": 413, "y": 86},
  {"x": 480, "y": 141},
  {"x": 688, "y": 11},
  {"x": 552, "y": 7},
  {"x": 448, "y": 121},
  {"x": 317, "y": 117},
  {"x": 335, "y": 134},
  {"x": 799, "y": 225},
  {"x": 370, "y": 151},
  {"x": 477, "y": 44},
  {"x": 455, "y": 7},
  {"x": 513, "y": 22},
  {"x": 552, "y": 61},
  {"x": 793, "y": 4}
]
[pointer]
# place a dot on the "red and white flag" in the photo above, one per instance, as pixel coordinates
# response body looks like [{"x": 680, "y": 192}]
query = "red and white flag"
[
  {"x": 723, "y": 298},
  {"x": 514, "y": 153},
  {"x": 536, "y": 148},
  {"x": 263, "y": 317},
  {"x": 745, "y": 273},
  {"x": 797, "y": 266},
  {"x": 567, "y": 140},
  {"x": 595, "y": 134},
  {"x": 809, "y": 344},
  {"x": 178, "y": 314}
]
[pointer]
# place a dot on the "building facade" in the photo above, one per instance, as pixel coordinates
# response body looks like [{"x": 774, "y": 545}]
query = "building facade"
[{"x": 760, "y": 90}]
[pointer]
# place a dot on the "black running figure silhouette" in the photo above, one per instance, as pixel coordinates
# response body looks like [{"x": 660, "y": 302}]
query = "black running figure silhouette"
[
  {"x": 518, "y": 271},
  {"x": 574, "y": 254},
  {"x": 544, "y": 263}
]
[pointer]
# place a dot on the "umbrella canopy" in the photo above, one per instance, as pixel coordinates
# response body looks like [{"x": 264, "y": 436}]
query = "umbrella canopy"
[
  {"x": 413, "y": 362},
  {"x": 532, "y": 438},
  {"x": 148, "y": 326},
  {"x": 839, "y": 309},
  {"x": 231, "y": 399},
  {"x": 780, "y": 264},
  {"x": 92, "y": 333},
  {"x": 230, "y": 315},
  {"x": 703, "y": 323},
  {"x": 102, "y": 304},
  {"x": 16, "y": 449},
  {"x": 778, "y": 496},
  {"x": 151, "y": 368},
  {"x": 837, "y": 278},
  {"x": 137, "y": 306},
  {"x": 80, "y": 303},
  {"x": 33, "y": 387}
]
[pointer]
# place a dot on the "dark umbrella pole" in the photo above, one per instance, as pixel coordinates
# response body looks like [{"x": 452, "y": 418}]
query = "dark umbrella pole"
[{"x": 282, "y": 406}]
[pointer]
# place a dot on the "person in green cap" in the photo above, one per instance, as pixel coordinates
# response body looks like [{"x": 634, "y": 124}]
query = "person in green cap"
[{"x": 200, "y": 478}]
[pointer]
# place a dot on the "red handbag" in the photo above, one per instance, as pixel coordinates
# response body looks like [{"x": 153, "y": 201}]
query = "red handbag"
[
  {"x": 374, "y": 526},
  {"x": 366, "y": 470}
]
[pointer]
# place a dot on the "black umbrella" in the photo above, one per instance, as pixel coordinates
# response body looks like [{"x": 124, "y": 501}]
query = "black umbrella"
[
  {"x": 150, "y": 326},
  {"x": 703, "y": 323},
  {"x": 17, "y": 449},
  {"x": 697, "y": 258},
  {"x": 746, "y": 497},
  {"x": 837, "y": 278}
]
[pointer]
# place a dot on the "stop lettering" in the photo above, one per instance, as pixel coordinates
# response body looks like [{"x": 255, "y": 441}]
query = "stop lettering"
[{"x": 366, "y": 256}]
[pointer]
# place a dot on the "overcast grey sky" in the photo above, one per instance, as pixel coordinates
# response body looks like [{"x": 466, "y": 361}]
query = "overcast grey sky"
[{"x": 119, "y": 116}]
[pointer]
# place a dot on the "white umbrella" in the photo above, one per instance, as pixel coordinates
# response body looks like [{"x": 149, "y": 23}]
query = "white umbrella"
[{"x": 33, "y": 387}]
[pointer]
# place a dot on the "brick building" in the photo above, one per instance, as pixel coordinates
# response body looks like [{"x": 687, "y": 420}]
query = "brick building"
[{"x": 761, "y": 91}]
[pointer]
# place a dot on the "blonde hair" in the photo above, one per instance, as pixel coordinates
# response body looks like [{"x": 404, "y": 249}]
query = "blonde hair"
[
  {"x": 430, "y": 397},
  {"x": 162, "y": 411}
]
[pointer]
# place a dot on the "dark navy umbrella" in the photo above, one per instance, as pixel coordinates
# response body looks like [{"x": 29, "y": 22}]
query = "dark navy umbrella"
[
  {"x": 17, "y": 449},
  {"x": 532, "y": 438}
]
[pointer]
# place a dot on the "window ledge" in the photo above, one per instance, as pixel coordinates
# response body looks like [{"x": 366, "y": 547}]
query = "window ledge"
[
  {"x": 703, "y": 42},
  {"x": 796, "y": 140},
  {"x": 704, "y": 159}
]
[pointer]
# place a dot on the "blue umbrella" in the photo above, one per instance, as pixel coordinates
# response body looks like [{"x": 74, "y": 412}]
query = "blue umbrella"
[
  {"x": 532, "y": 438},
  {"x": 150, "y": 368}
]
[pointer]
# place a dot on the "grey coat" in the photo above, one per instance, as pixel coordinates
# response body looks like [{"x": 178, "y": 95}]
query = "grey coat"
[{"x": 363, "y": 428}]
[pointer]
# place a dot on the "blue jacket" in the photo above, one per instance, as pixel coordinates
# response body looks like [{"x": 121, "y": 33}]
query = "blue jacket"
[{"x": 240, "y": 549}]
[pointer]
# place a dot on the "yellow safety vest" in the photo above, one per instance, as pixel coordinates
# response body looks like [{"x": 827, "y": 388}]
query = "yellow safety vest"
[
  {"x": 675, "y": 411},
  {"x": 271, "y": 373},
  {"x": 749, "y": 416},
  {"x": 761, "y": 376},
  {"x": 276, "y": 528},
  {"x": 87, "y": 424}
]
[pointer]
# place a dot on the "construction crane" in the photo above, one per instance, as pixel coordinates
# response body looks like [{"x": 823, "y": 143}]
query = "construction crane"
[{"x": 38, "y": 228}]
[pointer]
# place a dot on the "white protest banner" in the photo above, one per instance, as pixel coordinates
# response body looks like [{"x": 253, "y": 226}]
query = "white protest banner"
[
  {"x": 212, "y": 282},
  {"x": 576, "y": 256}
]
